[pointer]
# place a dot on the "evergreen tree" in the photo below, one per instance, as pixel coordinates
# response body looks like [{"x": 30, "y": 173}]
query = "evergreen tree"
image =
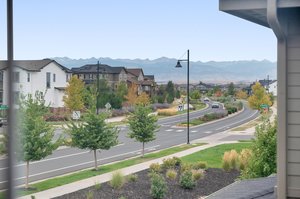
[
  {"x": 231, "y": 89},
  {"x": 93, "y": 134},
  {"x": 170, "y": 90},
  {"x": 142, "y": 126},
  {"x": 35, "y": 135}
]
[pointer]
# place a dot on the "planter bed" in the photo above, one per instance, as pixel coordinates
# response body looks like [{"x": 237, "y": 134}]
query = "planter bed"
[{"x": 213, "y": 180}]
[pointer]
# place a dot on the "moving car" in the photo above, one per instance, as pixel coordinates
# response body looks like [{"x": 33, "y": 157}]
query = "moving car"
[
  {"x": 215, "y": 105},
  {"x": 206, "y": 99}
]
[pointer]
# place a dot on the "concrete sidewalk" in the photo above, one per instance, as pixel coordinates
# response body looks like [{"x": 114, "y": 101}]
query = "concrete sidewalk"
[{"x": 82, "y": 184}]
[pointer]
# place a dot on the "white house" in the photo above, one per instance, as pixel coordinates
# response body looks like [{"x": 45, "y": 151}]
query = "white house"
[
  {"x": 273, "y": 87},
  {"x": 30, "y": 76}
]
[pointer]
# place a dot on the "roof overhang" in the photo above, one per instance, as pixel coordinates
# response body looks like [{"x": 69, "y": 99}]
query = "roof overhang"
[{"x": 253, "y": 10}]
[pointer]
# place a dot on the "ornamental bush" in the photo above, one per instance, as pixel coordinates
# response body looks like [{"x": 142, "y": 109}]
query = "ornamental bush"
[
  {"x": 262, "y": 162},
  {"x": 155, "y": 167},
  {"x": 158, "y": 186},
  {"x": 171, "y": 174},
  {"x": 186, "y": 180},
  {"x": 117, "y": 180}
]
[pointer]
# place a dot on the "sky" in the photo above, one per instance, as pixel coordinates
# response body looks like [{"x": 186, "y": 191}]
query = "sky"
[{"x": 145, "y": 29}]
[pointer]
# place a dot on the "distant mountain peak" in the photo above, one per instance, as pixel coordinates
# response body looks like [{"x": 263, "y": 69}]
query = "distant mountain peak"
[{"x": 163, "y": 68}]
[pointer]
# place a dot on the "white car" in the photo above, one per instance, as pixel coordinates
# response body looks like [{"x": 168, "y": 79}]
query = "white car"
[{"x": 215, "y": 105}]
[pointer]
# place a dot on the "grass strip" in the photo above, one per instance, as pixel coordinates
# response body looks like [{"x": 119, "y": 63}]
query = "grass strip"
[
  {"x": 58, "y": 181},
  {"x": 213, "y": 156}
]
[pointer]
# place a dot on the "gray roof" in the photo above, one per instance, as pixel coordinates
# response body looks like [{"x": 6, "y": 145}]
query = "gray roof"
[
  {"x": 103, "y": 68},
  {"x": 32, "y": 65},
  {"x": 260, "y": 188},
  {"x": 253, "y": 10}
]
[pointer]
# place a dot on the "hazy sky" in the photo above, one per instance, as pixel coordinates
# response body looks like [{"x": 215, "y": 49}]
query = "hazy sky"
[{"x": 133, "y": 29}]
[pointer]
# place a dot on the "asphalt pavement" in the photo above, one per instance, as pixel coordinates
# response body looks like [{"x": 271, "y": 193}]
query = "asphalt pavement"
[{"x": 67, "y": 160}]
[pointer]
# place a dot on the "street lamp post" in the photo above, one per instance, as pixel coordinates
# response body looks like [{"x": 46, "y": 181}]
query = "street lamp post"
[
  {"x": 97, "y": 94},
  {"x": 178, "y": 65}
]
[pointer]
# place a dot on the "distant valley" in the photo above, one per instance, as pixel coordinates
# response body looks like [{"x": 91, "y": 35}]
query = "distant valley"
[{"x": 164, "y": 69}]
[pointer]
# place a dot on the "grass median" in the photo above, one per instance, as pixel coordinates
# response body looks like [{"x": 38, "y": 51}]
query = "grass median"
[
  {"x": 58, "y": 181},
  {"x": 213, "y": 156}
]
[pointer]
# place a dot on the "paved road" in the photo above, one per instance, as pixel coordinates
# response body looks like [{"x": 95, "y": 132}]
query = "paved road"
[{"x": 71, "y": 159}]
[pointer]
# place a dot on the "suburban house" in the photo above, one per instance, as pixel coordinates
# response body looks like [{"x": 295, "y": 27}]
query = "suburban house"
[
  {"x": 44, "y": 75},
  {"x": 88, "y": 73},
  {"x": 269, "y": 85},
  {"x": 282, "y": 16},
  {"x": 145, "y": 83},
  {"x": 114, "y": 75}
]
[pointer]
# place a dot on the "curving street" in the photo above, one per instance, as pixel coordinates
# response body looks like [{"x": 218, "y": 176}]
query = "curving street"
[{"x": 67, "y": 160}]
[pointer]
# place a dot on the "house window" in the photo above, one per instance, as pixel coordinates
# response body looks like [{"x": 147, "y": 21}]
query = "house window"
[
  {"x": 28, "y": 77},
  {"x": 48, "y": 79},
  {"x": 67, "y": 77},
  {"x": 54, "y": 77},
  {"x": 16, "y": 77},
  {"x": 90, "y": 76}
]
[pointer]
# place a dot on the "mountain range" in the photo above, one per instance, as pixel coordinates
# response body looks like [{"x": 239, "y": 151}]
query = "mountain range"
[{"x": 164, "y": 69}]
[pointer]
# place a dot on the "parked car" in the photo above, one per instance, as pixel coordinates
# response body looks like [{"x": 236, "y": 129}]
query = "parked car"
[
  {"x": 3, "y": 121},
  {"x": 215, "y": 105}
]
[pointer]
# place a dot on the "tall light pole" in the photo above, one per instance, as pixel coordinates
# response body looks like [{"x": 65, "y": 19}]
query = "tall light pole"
[
  {"x": 97, "y": 94},
  {"x": 178, "y": 65}
]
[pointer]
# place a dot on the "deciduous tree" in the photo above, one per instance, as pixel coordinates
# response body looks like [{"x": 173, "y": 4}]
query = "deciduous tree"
[
  {"x": 241, "y": 94},
  {"x": 131, "y": 95},
  {"x": 142, "y": 126},
  {"x": 35, "y": 135},
  {"x": 93, "y": 134},
  {"x": 73, "y": 98},
  {"x": 258, "y": 97},
  {"x": 143, "y": 99}
]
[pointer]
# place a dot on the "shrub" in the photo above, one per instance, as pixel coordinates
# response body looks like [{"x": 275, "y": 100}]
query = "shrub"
[
  {"x": 32, "y": 197},
  {"x": 199, "y": 165},
  {"x": 117, "y": 180},
  {"x": 197, "y": 174},
  {"x": 244, "y": 157},
  {"x": 213, "y": 116},
  {"x": 233, "y": 159},
  {"x": 160, "y": 106},
  {"x": 186, "y": 167},
  {"x": 263, "y": 160},
  {"x": 169, "y": 163},
  {"x": 186, "y": 180},
  {"x": 167, "y": 112},
  {"x": 122, "y": 197},
  {"x": 155, "y": 167},
  {"x": 226, "y": 161},
  {"x": 97, "y": 185},
  {"x": 158, "y": 186},
  {"x": 171, "y": 174},
  {"x": 90, "y": 195},
  {"x": 132, "y": 177},
  {"x": 177, "y": 161}
]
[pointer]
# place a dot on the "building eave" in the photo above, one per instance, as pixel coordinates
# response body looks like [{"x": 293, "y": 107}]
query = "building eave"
[{"x": 253, "y": 10}]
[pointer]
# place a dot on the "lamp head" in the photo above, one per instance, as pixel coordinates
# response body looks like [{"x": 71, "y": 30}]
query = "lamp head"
[{"x": 178, "y": 65}]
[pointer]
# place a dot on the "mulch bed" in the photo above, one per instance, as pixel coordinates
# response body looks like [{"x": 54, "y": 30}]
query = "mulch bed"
[{"x": 213, "y": 180}]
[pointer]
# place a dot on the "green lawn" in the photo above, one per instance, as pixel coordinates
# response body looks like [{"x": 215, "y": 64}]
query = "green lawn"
[
  {"x": 58, "y": 181},
  {"x": 213, "y": 156}
]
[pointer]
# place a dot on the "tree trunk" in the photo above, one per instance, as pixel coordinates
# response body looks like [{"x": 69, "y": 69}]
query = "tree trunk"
[
  {"x": 95, "y": 156},
  {"x": 27, "y": 174},
  {"x": 143, "y": 151}
]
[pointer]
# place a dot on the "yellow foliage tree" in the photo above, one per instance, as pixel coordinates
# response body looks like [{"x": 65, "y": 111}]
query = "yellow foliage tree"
[
  {"x": 241, "y": 95},
  {"x": 143, "y": 99},
  {"x": 131, "y": 95},
  {"x": 258, "y": 97},
  {"x": 73, "y": 98}
]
